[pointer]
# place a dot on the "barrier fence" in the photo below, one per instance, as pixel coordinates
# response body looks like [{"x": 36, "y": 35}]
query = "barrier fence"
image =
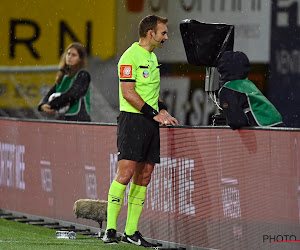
[{"x": 214, "y": 188}]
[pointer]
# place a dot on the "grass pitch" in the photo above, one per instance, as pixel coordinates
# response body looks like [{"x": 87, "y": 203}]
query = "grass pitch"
[{"x": 16, "y": 235}]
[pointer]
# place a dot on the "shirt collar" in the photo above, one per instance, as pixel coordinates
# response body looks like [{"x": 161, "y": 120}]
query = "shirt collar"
[{"x": 136, "y": 44}]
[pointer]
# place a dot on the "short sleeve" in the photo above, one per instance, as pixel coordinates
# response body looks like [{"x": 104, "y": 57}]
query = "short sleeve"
[{"x": 126, "y": 69}]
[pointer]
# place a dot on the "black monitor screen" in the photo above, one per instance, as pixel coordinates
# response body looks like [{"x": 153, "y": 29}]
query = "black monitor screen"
[{"x": 205, "y": 42}]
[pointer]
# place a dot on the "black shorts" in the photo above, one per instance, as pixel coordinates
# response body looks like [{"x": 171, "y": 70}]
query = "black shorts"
[{"x": 138, "y": 138}]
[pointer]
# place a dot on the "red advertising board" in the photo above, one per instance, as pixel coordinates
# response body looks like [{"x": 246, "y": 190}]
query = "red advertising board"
[{"x": 214, "y": 188}]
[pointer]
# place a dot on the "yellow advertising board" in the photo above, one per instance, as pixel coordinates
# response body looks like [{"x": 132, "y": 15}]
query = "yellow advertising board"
[
  {"x": 36, "y": 32},
  {"x": 24, "y": 89}
]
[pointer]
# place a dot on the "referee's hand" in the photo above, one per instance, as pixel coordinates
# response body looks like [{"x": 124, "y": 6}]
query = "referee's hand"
[{"x": 164, "y": 118}]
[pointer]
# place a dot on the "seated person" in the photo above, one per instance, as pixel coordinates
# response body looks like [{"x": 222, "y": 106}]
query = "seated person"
[{"x": 242, "y": 102}]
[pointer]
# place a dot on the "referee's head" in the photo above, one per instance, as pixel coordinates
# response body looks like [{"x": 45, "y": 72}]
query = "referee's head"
[{"x": 150, "y": 23}]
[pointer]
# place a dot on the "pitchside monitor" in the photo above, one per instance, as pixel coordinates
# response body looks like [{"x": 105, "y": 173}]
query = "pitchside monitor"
[{"x": 205, "y": 42}]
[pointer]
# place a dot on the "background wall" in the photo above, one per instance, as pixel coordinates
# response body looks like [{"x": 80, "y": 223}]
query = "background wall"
[
  {"x": 107, "y": 28},
  {"x": 284, "y": 85},
  {"x": 214, "y": 188}
]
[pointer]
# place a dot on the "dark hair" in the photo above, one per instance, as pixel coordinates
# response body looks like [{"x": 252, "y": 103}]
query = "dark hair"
[
  {"x": 71, "y": 71},
  {"x": 150, "y": 23}
]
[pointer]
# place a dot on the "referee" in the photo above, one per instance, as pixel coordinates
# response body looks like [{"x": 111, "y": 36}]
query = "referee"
[{"x": 138, "y": 140}]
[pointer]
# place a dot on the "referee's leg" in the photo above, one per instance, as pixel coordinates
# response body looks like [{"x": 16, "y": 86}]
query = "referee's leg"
[
  {"x": 125, "y": 170},
  {"x": 142, "y": 174},
  {"x": 136, "y": 199},
  {"x": 115, "y": 198}
]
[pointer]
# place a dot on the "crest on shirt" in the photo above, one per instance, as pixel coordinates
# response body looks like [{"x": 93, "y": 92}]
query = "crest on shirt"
[
  {"x": 125, "y": 71},
  {"x": 145, "y": 74}
]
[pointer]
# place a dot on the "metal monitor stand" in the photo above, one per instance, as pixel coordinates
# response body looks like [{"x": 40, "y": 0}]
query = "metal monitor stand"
[{"x": 211, "y": 86}]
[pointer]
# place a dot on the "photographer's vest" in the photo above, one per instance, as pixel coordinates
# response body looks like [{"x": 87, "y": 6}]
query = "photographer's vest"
[
  {"x": 263, "y": 111},
  {"x": 65, "y": 84}
]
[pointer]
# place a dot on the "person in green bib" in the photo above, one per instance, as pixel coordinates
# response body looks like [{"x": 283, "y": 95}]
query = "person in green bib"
[
  {"x": 138, "y": 141},
  {"x": 241, "y": 101},
  {"x": 69, "y": 98}
]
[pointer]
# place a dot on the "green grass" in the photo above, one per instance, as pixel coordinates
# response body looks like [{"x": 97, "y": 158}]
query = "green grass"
[{"x": 16, "y": 235}]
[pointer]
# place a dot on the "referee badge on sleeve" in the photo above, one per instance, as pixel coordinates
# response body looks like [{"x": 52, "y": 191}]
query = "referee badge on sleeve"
[
  {"x": 125, "y": 71},
  {"x": 145, "y": 74}
]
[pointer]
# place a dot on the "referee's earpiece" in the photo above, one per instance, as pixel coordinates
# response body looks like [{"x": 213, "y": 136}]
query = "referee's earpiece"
[{"x": 154, "y": 38}]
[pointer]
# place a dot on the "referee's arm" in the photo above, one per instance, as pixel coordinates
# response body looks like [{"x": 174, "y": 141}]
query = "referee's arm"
[{"x": 131, "y": 96}]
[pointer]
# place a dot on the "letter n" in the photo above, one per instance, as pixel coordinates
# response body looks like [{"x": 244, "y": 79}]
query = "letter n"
[{"x": 64, "y": 28}]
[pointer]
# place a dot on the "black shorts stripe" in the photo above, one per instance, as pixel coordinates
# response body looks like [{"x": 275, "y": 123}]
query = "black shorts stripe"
[{"x": 127, "y": 80}]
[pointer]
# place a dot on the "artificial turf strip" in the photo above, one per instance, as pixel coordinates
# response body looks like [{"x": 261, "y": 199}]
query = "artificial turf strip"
[{"x": 16, "y": 235}]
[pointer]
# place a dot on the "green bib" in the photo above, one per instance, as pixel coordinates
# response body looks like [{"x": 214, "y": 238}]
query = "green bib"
[
  {"x": 65, "y": 84},
  {"x": 263, "y": 110}
]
